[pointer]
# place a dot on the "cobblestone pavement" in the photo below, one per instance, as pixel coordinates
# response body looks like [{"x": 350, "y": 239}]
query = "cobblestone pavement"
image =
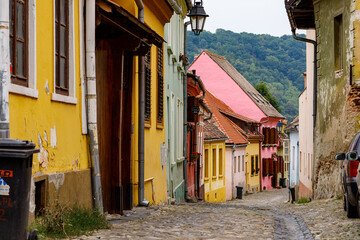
[{"x": 265, "y": 215}]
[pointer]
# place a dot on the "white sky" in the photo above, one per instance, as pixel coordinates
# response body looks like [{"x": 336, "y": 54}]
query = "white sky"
[{"x": 253, "y": 16}]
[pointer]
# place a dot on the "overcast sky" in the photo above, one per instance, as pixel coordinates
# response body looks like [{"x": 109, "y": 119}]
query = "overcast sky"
[{"x": 254, "y": 16}]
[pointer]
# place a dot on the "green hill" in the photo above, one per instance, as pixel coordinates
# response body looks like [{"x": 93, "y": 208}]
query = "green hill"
[{"x": 278, "y": 61}]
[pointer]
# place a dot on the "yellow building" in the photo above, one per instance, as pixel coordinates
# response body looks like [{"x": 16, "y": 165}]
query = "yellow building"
[
  {"x": 45, "y": 100},
  {"x": 252, "y": 165},
  {"x": 214, "y": 163},
  {"x": 129, "y": 66}
]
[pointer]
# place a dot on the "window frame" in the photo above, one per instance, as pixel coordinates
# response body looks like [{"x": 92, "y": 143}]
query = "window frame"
[
  {"x": 160, "y": 87},
  {"x": 29, "y": 90},
  {"x": 55, "y": 96}
]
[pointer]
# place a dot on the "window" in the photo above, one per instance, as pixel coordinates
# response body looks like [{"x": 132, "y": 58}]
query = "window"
[
  {"x": 147, "y": 86},
  {"x": 270, "y": 135},
  {"x": 220, "y": 161},
  {"x": 214, "y": 162},
  {"x": 252, "y": 165},
  {"x": 206, "y": 163},
  {"x": 62, "y": 47},
  {"x": 18, "y": 42},
  {"x": 239, "y": 165},
  {"x": 234, "y": 166},
  {"x": 338, "y": 42},
  {"x": 160, "y": 85},
  {"x": 243, "y": 162},
  {"x": 179, "y": 127},
  {"x": 64, "y": 52},
  {"x": 22, "y": 27},
  {"x": 293, "y": 158},
  {"x": 300, "y": 161},
  {"x": 257, "y": 169}
]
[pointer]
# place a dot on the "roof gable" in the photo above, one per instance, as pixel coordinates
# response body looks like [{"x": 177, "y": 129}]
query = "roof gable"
[{"x": 251, "y": 92}]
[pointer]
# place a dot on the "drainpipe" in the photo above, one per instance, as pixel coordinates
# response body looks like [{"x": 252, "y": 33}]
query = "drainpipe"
[
  {"x": 4, "y": 69},
  {"x": 315, "y": 72},
  {"x": 91, "y": 103},
  {"x": 185, "y": 112},
  {"x": 141, "y": 134}
]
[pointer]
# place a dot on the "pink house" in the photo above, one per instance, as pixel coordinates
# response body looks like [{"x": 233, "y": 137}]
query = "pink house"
[{"x": 227, "y": 84}]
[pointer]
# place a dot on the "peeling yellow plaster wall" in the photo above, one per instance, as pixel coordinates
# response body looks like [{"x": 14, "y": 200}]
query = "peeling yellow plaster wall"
[{"x": 54, "y": 127}]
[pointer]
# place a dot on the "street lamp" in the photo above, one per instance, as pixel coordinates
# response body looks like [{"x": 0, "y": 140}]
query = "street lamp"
[{"x": 197, "y": 17}]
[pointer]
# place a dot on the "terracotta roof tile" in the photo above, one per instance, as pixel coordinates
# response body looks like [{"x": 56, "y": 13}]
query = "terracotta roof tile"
[
  {"x": 212, "y": 132},
  {"x": 235, "y": 135}
]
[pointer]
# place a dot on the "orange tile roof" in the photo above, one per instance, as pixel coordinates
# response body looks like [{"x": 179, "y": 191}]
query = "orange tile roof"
[{"x": 235, "y": 136}]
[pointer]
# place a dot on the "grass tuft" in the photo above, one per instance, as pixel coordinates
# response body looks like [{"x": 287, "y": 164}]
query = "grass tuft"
[
  {"x": 63, "y": 222},
  {"x": 303, "y": 200}
]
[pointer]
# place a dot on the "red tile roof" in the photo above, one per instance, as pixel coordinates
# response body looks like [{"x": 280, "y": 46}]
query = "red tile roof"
[{"x": 227, "y": 126}]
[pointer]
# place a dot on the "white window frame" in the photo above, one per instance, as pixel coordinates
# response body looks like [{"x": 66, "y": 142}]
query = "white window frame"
[
  {"x": 179, "y": 128},
  {"x": 31, "y": 90},
  {"x": 71, "y": 99}
]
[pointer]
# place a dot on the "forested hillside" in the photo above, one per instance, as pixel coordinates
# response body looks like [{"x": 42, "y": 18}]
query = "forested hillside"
[{"x": 278, "y": 61}]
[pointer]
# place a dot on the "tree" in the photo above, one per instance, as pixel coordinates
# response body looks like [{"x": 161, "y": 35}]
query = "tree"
[{"x": 264, "y": 90}]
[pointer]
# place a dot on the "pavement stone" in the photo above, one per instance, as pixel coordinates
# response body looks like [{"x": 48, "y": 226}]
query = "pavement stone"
[{"x": 265, "y": 215}]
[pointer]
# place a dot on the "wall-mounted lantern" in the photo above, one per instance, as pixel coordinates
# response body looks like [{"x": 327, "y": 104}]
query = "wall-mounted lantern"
[{"x": 197, "y": 17}]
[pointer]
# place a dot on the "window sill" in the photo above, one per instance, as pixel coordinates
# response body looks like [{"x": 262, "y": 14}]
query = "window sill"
[
  {"x": 159, "y": 125},
  {"x": 147, "y": 124},
  {"x": 206, "y": 179},
  {"x": 339, "y": 73},
  {"x": 25, "y": 91},
  {"x": 64, "y": 99},
  {"x": 221, "y": 176},
  {"x": 214, "y": 178},
  {"x": 180, "y": 160}
]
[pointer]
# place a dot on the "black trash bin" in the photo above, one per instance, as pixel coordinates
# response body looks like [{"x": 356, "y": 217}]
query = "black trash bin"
[
  {"x": 239, "y": 191},
  {"x": 283, "y": 182},
  {"x": 292, "y": 191},
  {"x": 15, "y": 177}
]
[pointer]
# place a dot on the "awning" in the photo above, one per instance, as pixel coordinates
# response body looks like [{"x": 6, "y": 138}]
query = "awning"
[
  {"x": 116, "y": 21},
  {"x": 300, "y": 13}
]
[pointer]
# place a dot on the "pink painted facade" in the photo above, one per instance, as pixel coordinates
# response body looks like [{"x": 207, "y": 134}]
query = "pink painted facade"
[
  {"x": 222, "y": 86},
  {"x": 234, "y": 170},
  {"x": 218, "y": 81}
]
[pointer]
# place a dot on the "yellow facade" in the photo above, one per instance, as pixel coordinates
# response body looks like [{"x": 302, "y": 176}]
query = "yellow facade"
[
  {"x": 156, "y": 15},
  {"x": 54, "y": 126},
  {"x": 252, "y": 179},
  {"x": 214, "y": 177}
]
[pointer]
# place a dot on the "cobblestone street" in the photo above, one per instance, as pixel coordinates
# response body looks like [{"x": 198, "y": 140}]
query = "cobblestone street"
[{"x": 265, "y": 215}]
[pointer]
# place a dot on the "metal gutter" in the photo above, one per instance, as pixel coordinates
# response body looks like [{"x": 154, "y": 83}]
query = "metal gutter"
[
  {"x": 175, "y": 6},
  {"x": 4, "y": 69},
  {"x": 141, "y": 133},
  {"x": 91, "y": 103}
]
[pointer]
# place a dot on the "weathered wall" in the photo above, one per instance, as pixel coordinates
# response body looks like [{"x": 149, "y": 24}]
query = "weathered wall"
[
  {"x": 336, "y": 122},
  {"x": 54, "y": 126},
  {"x": 234, "y": 176}
]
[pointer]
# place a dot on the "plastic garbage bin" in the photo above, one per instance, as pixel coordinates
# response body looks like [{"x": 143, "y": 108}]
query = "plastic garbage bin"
[
  {"x": 239, "y": 191},
  {"x": 283, "y": 182},
  {"x": 292, "y": 191},
  {"x": 15, "y": 177}
]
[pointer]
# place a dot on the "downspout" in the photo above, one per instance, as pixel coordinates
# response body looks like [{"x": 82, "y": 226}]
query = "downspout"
[
  {"x": 4, "y": 69},
  {"x": 91, "y": 103},
  {"x": 141, "y": 134},
  {"x": 185, "y": 112},
  {"x": 315, "y": 72}
]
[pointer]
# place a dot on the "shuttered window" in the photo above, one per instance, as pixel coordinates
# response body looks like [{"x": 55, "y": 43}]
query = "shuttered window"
[
  {"x": 18, "y": 42},
  {"x": 62, "y": 47},
  {"x": 147, "y": 86},
  {"x": 160, "y": 86}
]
